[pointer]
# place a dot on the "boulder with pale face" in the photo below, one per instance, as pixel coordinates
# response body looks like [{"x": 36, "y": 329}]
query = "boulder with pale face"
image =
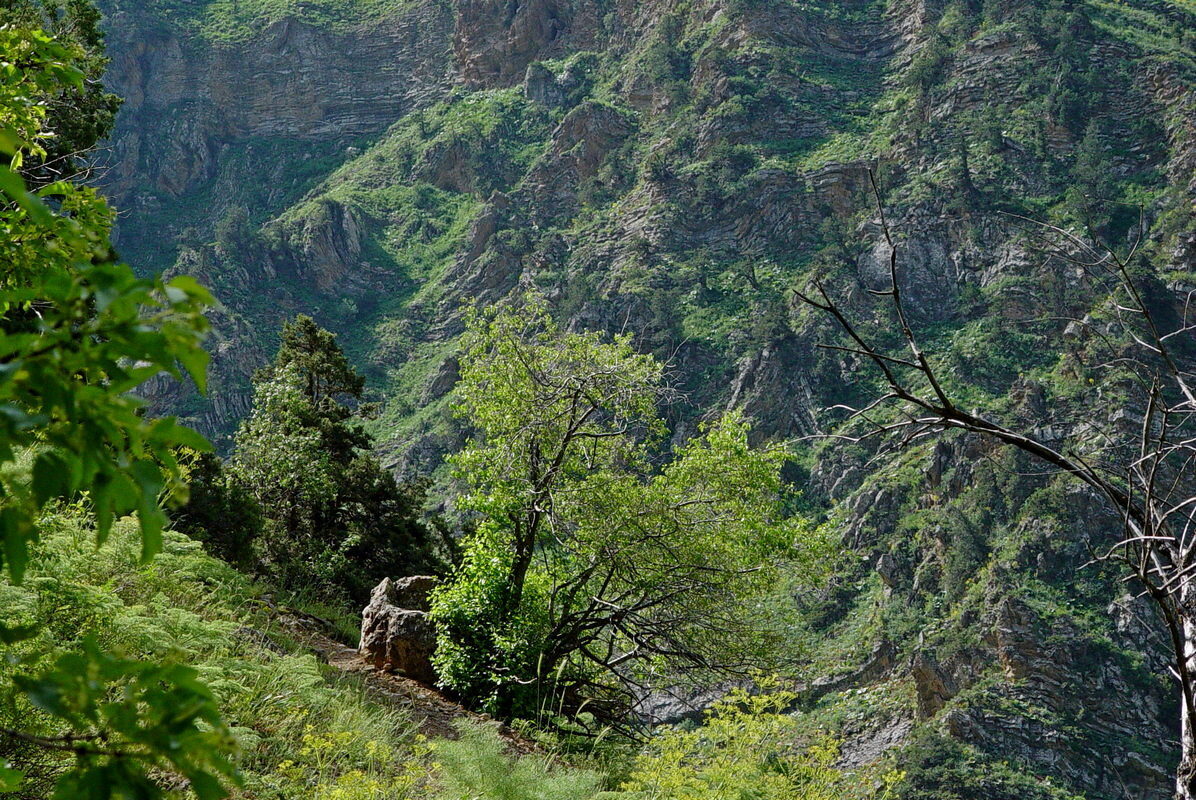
[{"x": 396, "y": 633}]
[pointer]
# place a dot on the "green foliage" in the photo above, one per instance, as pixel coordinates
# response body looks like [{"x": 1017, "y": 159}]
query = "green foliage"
[
  {"x": 219, "y": 511},
  {"x": 475, "y": 766},
  {"x": 585, "y": 558},
  {"x": 485, "y": 641},
  {"x": 188, "y": 611},
  {"x": 748, "y": 747},
  {"x": 79, "y": 333},
  {"x": 937, "y": 767},
  {"x": 491, "y": 137},
  {"x": 281, "y": 458},
  {"x": 990, "y": 357},
  {"x": 1093, "y": 186},
  {"x": 35, "y": 67},
  {"x": 1162, "y": 30},
  {"x": 350, "y": 765},
  {"x": 75, "y": 114},
  {"x": 223, "y": 22},
  {"x": 929, "y": 64},
  {"x": 174, "y": 226},
  {"x": 1010, "y": 126},
  {"x": 236, "y": 238},
  {"x": 335, "y": 520},
  {"x": 668, "y": 58},
  {"x": 537, "y": 398},
  {"x": 321, "y": 365},
  {"x": 126, "y": 717},
  {"x": 301, "y": 732}
]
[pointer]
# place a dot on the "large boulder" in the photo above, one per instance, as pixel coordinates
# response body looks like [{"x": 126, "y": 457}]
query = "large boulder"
[{"x": 396, "y": 633}]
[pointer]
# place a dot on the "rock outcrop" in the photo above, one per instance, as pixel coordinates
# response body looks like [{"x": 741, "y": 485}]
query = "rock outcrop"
[
  {"x": 495, "y": 40},
  {"x": 295, "y": 80},
  {"x": 396, "y": 633}
]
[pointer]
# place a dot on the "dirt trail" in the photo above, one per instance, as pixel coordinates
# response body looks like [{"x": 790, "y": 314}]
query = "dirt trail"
[{"x": 435, "y": 712}]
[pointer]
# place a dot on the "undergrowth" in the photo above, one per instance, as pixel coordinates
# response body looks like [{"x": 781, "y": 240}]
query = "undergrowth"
[{"x": 302, "y": 729}]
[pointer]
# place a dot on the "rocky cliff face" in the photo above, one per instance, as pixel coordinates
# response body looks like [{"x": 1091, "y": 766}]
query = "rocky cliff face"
[
  {"x": 675, "y": 169},
  {"x": 186, "y": 99}
]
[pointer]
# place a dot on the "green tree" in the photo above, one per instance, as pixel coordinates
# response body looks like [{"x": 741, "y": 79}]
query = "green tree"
[
  {"x": 331, "y": 511},
  {"x": 220, "y": 512},
  {"x": 587, "y": 566},
  {"x": 79, "y": 333},
  {"x": 235, "y": 235},
  {"x": 1093, "y": 187},
  {"x": 76, "y": 115}
]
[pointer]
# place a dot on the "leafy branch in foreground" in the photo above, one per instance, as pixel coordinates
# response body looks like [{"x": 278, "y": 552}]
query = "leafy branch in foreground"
[
  {"x": 162, "y": 716},
  {"x": 78, "y": 333}
]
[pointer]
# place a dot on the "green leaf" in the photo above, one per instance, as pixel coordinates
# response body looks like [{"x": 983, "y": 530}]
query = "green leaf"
[
  {"x": 20, "y": 633},
  {"x": 195, "y": 361},
  {"x": 149, "y": 480},
  {"x": 45, "y": 694},
  {"x": 191, "y": 288},
  {"x": 102, "y": 504},
  {"x": 10, "y": 779},
  {"x": 14, "y": 527},
  {"x": 207, "y": 787},
  {"x": 151, "y": 533},
  {"x": 51, "y": 477},
  {"x": 186, "y": 437},
  {"x": 10, "y": 141}
]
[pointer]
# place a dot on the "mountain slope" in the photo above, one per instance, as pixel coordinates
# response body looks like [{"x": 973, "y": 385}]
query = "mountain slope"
[{"x": 675, "y": 169}]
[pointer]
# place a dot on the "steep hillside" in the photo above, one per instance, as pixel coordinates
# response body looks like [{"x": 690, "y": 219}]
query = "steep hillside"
[
  {"x": 304, "y": 716},
  {"x": 676, "y": 169}
]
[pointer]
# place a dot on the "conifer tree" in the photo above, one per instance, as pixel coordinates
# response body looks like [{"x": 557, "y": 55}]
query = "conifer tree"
[{"x": 332, "y": 513}]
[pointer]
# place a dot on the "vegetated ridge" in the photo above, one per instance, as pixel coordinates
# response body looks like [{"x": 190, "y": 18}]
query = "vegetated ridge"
[{"x": 675, "y": 169}]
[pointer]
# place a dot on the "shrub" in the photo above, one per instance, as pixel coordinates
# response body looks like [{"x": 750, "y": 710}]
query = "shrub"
[
  {"x": 475, "y": 768},
  {"x": 747, "y": 748}
]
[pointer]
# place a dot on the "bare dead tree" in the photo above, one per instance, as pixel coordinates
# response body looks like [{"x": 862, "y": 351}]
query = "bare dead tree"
[{"x": 1147, "y": 475}]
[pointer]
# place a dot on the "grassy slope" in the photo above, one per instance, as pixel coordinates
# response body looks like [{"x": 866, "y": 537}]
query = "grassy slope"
[
  {"x": 303, "y": 730},
  {"x": 229, "y": 21}
]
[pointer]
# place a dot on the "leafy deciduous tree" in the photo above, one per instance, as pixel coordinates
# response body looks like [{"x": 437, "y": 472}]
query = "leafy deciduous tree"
[
  {"x": 76, "y": 115},
  {"x": 588, "y": 568}
]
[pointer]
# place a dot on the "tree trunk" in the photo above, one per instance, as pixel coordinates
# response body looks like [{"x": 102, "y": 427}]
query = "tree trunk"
[
  {"x": 1185, "y": 775},
  {"x": 525, "y": 549}
]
